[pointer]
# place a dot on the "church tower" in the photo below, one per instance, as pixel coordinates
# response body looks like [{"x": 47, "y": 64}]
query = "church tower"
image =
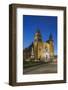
[
  {"x": 51, "y": 46},
  {"x": 38, "y": 45}
]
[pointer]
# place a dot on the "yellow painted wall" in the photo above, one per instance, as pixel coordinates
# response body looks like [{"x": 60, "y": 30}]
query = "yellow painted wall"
[{"x": 39, "y": 48}]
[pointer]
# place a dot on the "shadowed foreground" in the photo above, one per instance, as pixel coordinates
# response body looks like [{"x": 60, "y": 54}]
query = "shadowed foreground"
[{"x": 41, "y": 69}]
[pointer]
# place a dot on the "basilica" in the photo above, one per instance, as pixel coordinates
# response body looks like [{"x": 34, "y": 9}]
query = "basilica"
[{"x": 39, "y": 50}]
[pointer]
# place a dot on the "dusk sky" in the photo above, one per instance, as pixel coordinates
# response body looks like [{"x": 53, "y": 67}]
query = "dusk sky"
[{"x": 46, "y": 24}]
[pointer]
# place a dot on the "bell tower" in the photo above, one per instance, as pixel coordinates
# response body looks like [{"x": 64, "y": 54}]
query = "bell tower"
[
  {"x": 38, "y": 37},
  {"x": 38, "y": 45}
]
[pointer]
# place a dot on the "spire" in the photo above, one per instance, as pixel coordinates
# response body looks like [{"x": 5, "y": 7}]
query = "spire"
[
  {"x": 50, "y": 37},
  {"x": 38, "y": 31},
  {"x": 38, "y": 36}
]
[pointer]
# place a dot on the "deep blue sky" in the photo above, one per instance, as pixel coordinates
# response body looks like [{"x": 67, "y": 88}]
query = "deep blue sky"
[{"x": 46, "y": 25}]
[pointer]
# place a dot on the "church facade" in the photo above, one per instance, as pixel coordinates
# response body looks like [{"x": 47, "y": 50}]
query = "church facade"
[{"x": 39, "y": 50}]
